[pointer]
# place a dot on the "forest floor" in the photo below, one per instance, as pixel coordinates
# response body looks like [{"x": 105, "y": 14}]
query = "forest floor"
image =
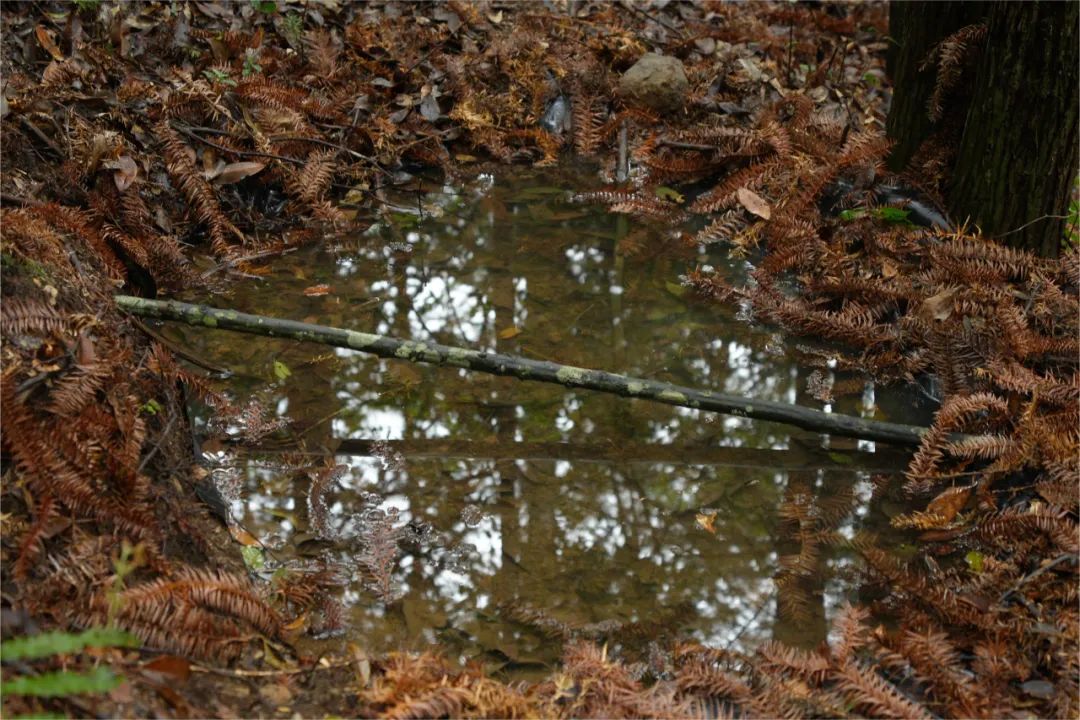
[{"x": 138, "y": 136}]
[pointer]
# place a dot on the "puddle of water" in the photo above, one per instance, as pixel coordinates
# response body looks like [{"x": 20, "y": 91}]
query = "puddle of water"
[{"x": 550, "y": 507}]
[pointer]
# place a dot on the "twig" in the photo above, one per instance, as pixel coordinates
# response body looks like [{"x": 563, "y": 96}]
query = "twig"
[
  {"x": 236, "y": 261},
  {"x": 229, "y": 672},
  {"x": 157, "y": 446},
  {"x": 687, "y": 146},
  {"x": 1034, "y": 574},
  {"x": 245, "y": 153},
  {"x": 655, "y": 19},
  {"x": 179, "y": 351},
  {"x": 1038, "y": 219},
  {"x": 326, "y": 143}
]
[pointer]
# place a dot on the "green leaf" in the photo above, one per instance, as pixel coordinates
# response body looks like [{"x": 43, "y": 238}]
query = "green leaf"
[
  {"x": 62, "y": 683},
  {"x": 253, "y": 556},
  {"x": 893, "y": 215},
  {"x": 281, "y": 370},
  {"x": 975, "y": 561},
  {"x": 64, "y": 643},
  {"x": 264, "y": 6},
  {"x": 151, "y": 407},
  {"x": 849, "y": 215},
  {"x": 666, "y": 193},
  {"x": 840, "y": 458},
  {"x": 675, "y": 288}
]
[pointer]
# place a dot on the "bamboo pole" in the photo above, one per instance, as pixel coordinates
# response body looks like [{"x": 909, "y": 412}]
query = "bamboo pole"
[{"x": 527, "y": 369}]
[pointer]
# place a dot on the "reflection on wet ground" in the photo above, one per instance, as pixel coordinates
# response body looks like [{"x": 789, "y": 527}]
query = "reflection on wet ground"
[{"x": 552, "y": 509}]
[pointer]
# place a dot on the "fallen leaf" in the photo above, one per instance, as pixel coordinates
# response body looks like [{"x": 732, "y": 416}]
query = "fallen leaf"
[
  {"x": 242, "y": 536},
  {"x": 317, "y": 290},
  {"x": 296, "y": 624},
  {"x": 46, "y": 41},
  {"x": 237, "y": 171},
  {"x": 707, "y": 521},
  {"x": 754, "y": 203},
  {"x": 940, "y": 306},
  {"x": 429, "y": 108},
  {"x": 176, "y": 667},
  {"x": 949, "y": 503},
  {"x": 126, "y": 171},
  {"x": 510, "y": 332}
]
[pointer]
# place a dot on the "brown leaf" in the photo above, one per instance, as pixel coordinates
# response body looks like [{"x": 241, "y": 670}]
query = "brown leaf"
[
  {"x": 126, "y": 171},
  {"x": 296, "y": 624},
  {"x": 707, "y": 521},
  {"x": 754, "y": 203},
  {"x": 949, "y": 503},
  {"x": 940, "y": 306},
  {"x": 46, "y": 41},
  {"x": 243, "y": 536},
  {"x": 317, "y": 290},
  {"x": 237, "y": 171},
  {"x": 510, "y": 332},
  {"x": 176, "y": 667}
]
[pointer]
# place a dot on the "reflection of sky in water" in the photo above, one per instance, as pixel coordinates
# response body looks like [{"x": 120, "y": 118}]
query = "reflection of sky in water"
[{"x": 591, "y": 538}]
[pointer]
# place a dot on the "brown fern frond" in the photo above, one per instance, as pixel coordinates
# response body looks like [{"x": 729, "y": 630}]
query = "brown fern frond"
[
  {"x": 722, "y": 196},
  {"x": 850, "y": 629},
  {"x": 606, "y": 197},
  {"x": 587, "y": 122},
  {"x": 322, "y": 482},
  {"x": 810, "y": 666},
  {"x": 31, "y": 544},
  {"x": 951, "y": 54},
  {"x": 873, "y": 695},
  {"x": 958, "y": 412},
  {"x": 25, "y": 315},
  {"x": 539, "y": 619},
  {"x": 1017, "y": 524},
  {"x": 651, "y": 207},
  {"x": 78, "y": 387},
  {"x": 722, "y": 229},
  {"x": 197, "y": 190},
  {"x": 220, "y": 592}
]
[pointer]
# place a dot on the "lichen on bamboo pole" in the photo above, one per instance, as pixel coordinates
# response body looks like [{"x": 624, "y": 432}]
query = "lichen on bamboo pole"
[{"x": 527, "y": 369}]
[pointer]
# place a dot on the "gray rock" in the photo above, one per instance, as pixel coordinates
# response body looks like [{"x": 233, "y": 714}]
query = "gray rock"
[{"x": 655, "y": 81}]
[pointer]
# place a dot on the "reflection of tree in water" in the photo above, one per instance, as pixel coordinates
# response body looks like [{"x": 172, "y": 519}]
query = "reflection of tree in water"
[{"x": 587, "y": 542}]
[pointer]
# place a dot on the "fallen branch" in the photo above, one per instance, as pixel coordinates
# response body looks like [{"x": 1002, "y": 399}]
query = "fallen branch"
[{"x": 526, "y": 369}]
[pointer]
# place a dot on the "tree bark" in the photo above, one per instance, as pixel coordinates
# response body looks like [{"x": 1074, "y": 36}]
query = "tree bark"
[
  {"x": 915, "y": 28},
  {"x": 526, "y": 369},
  {"x": 1017, "y": 151}
]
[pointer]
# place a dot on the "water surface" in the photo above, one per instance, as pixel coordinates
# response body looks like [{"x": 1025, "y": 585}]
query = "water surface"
[{"x": 553, "y": 507}]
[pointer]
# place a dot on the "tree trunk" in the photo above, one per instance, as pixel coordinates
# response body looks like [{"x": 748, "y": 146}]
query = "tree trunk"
[
  {"x": 915, "y": 28},
  {"x": 1016, "y": 153}
]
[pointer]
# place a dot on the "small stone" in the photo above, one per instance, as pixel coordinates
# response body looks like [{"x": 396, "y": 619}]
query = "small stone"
[
  {"x": 657, "y": 82},
  {"x": 275, "y": 694}
]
